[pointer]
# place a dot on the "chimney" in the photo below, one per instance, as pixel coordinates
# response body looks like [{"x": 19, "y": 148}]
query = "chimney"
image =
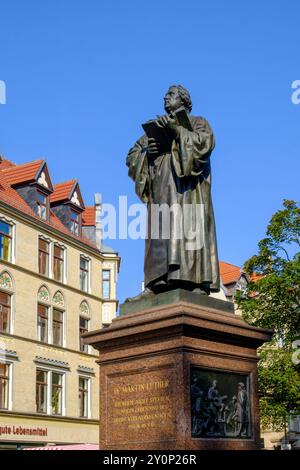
[{"x": 98, "y": 210}]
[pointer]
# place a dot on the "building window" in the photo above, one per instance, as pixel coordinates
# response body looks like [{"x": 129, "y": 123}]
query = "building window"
[
  {"x": 106, "y": 283},
  {"x": 75, "y": 223},
  {"x": 241, "y": 285},
  {"x": 83, "y": 397},
  {"x": 5, "y": 312},
  {"x": 44, "y": 257},
  {"x": 41, "y": 391},
  {"x": 42, "y": 322},
  {"x": 56, "y": 393},
  {"x": 5, "y": 241},
  {"x": 42, "y": 205},
  {"x": 84, "y": 273},
  {"x": 83, "y": 328},
  {"x": 4, "y": 386},
  {"x": 49, "y": 392},
  {"x": 57, "y": 327},
  {"x": 58, "y": 263}
]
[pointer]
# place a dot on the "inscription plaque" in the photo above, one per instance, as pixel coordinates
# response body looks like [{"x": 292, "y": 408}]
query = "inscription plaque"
[
  {"x": 220, "y": 404},
  {"x": 140, "y": 407}
]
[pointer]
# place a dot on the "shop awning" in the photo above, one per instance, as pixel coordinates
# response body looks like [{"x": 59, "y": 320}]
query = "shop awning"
[{"x": 66, "y": 447}]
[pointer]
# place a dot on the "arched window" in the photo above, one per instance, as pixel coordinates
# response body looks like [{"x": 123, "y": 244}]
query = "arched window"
[
  {"x": 58, "y": 319},
  {"x": 58, "y": 299},
  {"x": 84, "y": 308},
  {"x": 43, "y": 312},
  {"x": 84, "y": 320},
  {"x": 51, "y": 317},
  {"x": 43, "y": 294},
  {"x": 6, "y": 299}
]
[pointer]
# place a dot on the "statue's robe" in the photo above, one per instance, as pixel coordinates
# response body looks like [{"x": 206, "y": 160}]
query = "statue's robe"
[{"x": 181, "y": 176}]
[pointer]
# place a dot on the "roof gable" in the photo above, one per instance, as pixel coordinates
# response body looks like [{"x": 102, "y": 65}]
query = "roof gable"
[
  {"x": 68, "y": 191},
  {"x": 10, "y": 196},
  {"x": 43, "y": 178},
  {"x": 76, "y": 197},
  {"x": 31, "y": 172}
]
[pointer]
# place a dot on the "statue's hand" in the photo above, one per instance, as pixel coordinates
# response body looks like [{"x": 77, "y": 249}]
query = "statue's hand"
[
  {"x": 170, "y": 123},
  {"x": 152, "y": 148}
]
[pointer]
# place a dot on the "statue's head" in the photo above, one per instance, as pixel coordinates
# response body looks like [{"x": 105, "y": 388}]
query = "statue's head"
[{"x": 176, "y": 97}]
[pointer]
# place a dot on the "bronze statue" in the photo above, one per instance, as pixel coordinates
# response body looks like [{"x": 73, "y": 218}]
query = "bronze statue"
[{"x": 170, "y": 165}]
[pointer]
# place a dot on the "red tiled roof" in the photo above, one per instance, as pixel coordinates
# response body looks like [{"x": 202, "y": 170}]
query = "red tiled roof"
[
  {"x": 62, "y": 191},
  {"x": 11, "y": 197},
  {"x": 22, "y": 173},
  {"x": 88, "y": 216},
  {"x": 229, "y": 272}
]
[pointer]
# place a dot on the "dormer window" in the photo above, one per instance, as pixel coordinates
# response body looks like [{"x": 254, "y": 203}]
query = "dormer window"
[
  {"x": 32, "y": 182},
  {"x": 42, "y": 205},
  {"x": 75, "y": 222},
  {"x": 242, "y": 284},
  {"x": 67, "y": 204}
]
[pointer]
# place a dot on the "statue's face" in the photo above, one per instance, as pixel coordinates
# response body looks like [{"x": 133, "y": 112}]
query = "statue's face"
[{"x": 172, "y": 100}]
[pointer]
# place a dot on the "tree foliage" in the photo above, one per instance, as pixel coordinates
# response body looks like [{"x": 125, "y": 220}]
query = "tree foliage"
[{"x": 272, "y": 301}]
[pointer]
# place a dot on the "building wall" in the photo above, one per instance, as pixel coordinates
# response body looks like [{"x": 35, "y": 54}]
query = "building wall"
[
  {"x": 13, "y": 428},
  {"x": 24, "y": 374},
  {"x": 22, "y": 348}
]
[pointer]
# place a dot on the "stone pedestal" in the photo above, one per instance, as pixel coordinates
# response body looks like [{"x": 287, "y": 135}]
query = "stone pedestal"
[{"x": 178, "y": 372}]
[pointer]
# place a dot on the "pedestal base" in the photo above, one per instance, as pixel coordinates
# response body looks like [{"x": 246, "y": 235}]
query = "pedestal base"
[{"x": 179, "y": 376}]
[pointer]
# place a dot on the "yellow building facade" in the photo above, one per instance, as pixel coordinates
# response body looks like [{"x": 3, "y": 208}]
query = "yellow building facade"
[{"x": 55, "y": 284}]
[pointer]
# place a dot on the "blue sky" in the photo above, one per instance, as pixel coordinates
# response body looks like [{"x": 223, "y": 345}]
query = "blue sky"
[{"x": 81, "y": 77}]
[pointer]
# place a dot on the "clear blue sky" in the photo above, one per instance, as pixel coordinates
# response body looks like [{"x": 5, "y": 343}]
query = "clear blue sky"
[{"x": 81, "y": 76}]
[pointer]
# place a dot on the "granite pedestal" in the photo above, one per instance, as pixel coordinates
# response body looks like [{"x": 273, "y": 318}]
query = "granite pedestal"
[{"x": 178, "y": 371}]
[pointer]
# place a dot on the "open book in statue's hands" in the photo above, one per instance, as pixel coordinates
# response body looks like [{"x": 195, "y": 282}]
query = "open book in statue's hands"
[{"x": 162, "y": 135}]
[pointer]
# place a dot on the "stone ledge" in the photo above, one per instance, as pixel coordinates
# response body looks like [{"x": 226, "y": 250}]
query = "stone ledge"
[
  {"x": 182, "y": 319},
  {"x": 175, "y": 296}
]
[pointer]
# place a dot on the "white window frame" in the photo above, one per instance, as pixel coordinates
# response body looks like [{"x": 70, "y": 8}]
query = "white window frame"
[
  {"x": 49, "y": 329},
  {"x": 47, "y": 381},
  {"x": 63, "y": 398},
  {"x": 106, "y": 299},
  {"x": 12, "y": 312},
  {"x": 50, "y": 254},
  {"x": 49, "y": 372},
  {"x": 88, "y": 319},
  {"x": 65, "y": 281},
  {"x": 88, "y": 259},
  {"x": 12, "y": 223},
  {"x": 64, "y": 248},
  {"x": 10, "y": 365},
  {"x": 12, "y": 306},
  {"x": 50, "y": 308},
  {"x": 63, "y": 311},
  {"x": 89, "y": 379}
]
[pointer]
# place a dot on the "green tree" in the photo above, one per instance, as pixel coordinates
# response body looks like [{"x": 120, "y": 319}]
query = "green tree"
[{"x": 272, "y": 300}]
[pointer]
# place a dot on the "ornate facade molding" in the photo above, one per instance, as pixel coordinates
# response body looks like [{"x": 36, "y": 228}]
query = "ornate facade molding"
[{"x": 51, "y": 362}]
